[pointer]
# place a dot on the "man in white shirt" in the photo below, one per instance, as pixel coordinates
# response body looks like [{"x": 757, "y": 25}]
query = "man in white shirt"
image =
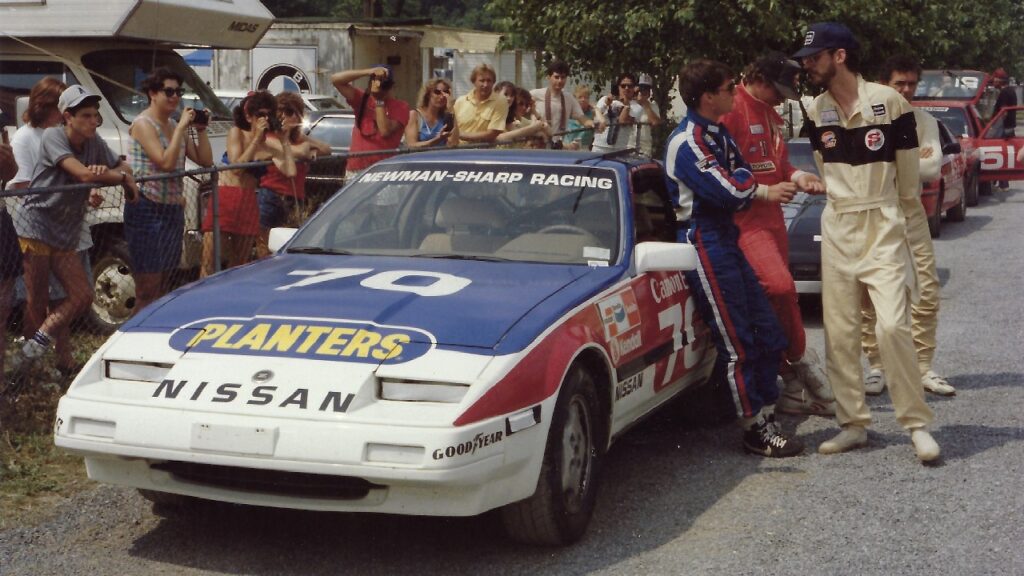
[
  {"x": 554, "y": 105},
  {"x": 641, "y": 138}
]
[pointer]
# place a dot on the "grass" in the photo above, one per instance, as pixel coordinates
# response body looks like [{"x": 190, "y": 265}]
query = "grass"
[{"x": 35, "y": 475}]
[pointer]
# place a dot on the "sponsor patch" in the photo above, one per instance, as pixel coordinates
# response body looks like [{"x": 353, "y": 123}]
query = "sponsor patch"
[
  {"x": 809, "y": 38},
  {"x": 619, "y": 314},
  {"x": 878, "y": 109},
  {"x": 829, "y": 116},
  {"x": 829, "y": 140},
  {"x": 756, "y": 129},
  {"x": 874, "y": 139},
  {"x": 706, "y": 163},
  {"x": 315, "y": 339},
  {"x": 753, "y": 150},
  {"x": 767, "y": 166},
  {"x": 625, "y": 345}
]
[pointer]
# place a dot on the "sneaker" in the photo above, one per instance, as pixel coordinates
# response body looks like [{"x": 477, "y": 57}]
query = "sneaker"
[
  {"x": 936, "y": 384},
  {"x": 874, "y": 382},
  {"x": 849, "y": 438},
  {"x": 33, "y": 349},
  {"x": 765, "y": 439},
  {"x": 926, "y": 447},
  {"x": 809, "y": 370},
  {"x": 802, "y": 402}
]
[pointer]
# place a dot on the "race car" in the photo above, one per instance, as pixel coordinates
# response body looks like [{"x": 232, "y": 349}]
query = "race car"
[{"x": 454, "y": 332}]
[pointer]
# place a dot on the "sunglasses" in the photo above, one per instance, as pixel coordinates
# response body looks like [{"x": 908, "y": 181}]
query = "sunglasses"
[
  {"x": 172, "y": 92},
  {"x": 440, "y": 91},
  {"x": 289, "y": 111},
  {"x": 627, "y": 86}
]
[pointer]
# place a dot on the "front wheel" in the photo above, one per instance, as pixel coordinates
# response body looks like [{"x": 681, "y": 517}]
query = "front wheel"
[
  {"x": 113, "y": 288},
  {"x": 959, "y": 212},
  {"x": 935, "y": 220},
  {"x": 559, "y": 511},
  {"x": 971, "y": 191}
]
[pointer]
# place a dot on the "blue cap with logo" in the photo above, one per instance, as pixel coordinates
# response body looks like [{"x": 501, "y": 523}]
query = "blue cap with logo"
[{"x": 825, "y": 36}]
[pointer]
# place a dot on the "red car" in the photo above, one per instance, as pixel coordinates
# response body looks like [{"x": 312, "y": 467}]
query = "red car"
[{"x": 947, "y": 194}]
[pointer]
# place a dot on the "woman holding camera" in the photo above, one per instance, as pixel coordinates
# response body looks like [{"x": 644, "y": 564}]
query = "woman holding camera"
[
  {"x": 432, "y": 123},
  {"x": 526, "y": 129},
  {"x": 615, "y": 111},
  {"x": 154, "y": 225},
  {"x": 380, "y": 118},
  {"x": 238, "y": 208}
]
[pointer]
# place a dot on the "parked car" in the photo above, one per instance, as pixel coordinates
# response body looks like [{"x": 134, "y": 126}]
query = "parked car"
[
  {"x": 946, "y": 194},
  {"x": 314, "y": 102},
  {"x": 327, "y": 175},
  {"x": 457, "y": 331}
]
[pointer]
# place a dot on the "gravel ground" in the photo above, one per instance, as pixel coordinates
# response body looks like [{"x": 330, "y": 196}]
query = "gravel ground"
[{"x": 676, "y": 499}]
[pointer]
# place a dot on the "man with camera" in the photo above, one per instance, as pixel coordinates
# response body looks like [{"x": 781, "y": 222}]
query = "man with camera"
[
  {"x": 552, "y": 104},
  {"x": 380, "y": 118}
]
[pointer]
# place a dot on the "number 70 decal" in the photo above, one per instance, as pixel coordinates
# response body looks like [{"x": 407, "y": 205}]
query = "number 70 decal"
[
  {"x": 436, "y": 284},
  {"x": 680, "y": 320}
]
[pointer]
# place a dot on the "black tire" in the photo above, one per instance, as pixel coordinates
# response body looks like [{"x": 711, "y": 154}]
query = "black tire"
[
  {"x": 959, "y": 212},
  {"x": 113, "y": 287},
  {"x": 971, "y": 191},
  {"x": 935, "y": 220},
  {"x": 559, "y": 511},
  {"x": 985, "y": 188}
]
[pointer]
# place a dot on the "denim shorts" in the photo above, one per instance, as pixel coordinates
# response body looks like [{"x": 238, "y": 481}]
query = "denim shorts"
[
  {"x": 154, "y": 233},
  {"x": 274, "y": 208}
]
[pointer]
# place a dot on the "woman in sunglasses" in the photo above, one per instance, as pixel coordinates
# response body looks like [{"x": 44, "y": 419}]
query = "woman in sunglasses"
[
  {"x": 255, "y": 120},
  {"x": 616, "y": 114},
  {"x": 154, "y": 225},
  {"x": 432, "y": 123},
  {"x": 280, "y": 195}
]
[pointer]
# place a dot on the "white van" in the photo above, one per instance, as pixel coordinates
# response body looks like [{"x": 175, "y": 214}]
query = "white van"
[{"x": 109, "y": 47}]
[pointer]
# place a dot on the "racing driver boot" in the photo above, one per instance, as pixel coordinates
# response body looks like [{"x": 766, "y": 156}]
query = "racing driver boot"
[
  {"x": 925, "y": 446},
  {"x": 808, "y": 369},
  {"x": 762, "y": 436},
  {"x": 796, "y": 399},
  {"x": 850, "y": 437}
]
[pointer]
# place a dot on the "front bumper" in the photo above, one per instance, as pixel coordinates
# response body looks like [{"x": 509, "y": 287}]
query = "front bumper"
[{"x": 405, "y": 469}]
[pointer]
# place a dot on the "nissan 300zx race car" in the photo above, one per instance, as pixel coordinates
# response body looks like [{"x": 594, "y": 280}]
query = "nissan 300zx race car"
[{"x": 454, "y": 332}]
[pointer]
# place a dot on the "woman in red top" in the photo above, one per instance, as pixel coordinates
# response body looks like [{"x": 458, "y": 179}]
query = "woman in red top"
[
  {"x": 239, "y": 219},
  {"x": 380, "y": 118},
  {"x": 278, "y": 194}
]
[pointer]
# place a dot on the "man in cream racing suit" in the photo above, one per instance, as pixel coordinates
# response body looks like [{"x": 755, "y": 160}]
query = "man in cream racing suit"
[
  {"x": 709, "y": 181},
  {"x": 757, "y": 128},
  {"x": 865, "y": 144}
]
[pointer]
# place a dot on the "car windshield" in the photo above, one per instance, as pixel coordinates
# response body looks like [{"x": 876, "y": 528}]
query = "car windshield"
[
  {"x": 324, "y": 103},
  {"x": 949, "y": 85},
  {"x": 127, "y": 69},
  {"x": 551, "y": 214},
  {"x": 954, "y": 118},
  {"x": 334, "y": 130}
]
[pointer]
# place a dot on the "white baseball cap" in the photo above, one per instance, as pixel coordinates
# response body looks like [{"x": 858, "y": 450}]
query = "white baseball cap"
[{"x": 73, "y": 96}]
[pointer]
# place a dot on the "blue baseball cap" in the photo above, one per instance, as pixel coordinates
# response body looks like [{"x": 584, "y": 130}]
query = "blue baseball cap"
[{"x": 824, "y": 36}]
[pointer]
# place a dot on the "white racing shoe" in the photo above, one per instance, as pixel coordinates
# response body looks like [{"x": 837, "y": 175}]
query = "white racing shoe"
[
  {"x": 874, "y": 382},
  {"x": 925, "y": 446},
  {"x": 936, "y": 384},
  {"x": 795, "y": 399},
  {"x": 849, "y": 438},
  {"x": 811, "y": 372}
]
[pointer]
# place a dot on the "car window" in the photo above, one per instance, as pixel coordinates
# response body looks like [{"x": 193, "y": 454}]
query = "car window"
[
  {"x": 1007, "y": 124},
  {"x": 955, "y": 118},
  {"x": 17, "y": 78},
  {"x": 949, "y": 85},
  {"x": 654, "y": 218},
  {"x": 334, "y": 130},
  {"x": 325, "y": 103},
  {"x": 552, "y": 214}
]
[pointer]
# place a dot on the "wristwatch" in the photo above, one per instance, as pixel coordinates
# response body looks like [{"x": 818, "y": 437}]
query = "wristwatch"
[{"x": 380, "y": 103}]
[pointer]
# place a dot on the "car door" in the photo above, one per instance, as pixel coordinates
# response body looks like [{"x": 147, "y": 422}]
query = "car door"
[
  {"x": 659, "y": 345},
  {"x": 1000, "y": 146}
]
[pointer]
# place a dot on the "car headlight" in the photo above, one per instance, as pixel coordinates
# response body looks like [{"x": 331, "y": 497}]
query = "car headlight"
[
  {"x": 421, "y": 391},
  {"x": 138, "y": 371}
]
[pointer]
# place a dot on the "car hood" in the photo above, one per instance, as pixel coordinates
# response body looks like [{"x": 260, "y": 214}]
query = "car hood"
[{"x": 476, "y": 304}]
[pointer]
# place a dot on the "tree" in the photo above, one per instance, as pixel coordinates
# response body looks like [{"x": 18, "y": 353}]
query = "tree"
[{"x": 657, "y": 38}]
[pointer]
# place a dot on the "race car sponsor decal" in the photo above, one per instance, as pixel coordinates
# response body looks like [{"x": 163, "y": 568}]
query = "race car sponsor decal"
[
  {"x": 629, "y": 385},
  {"x": 878, "y": 109},
  {"x": 829, "y": 140},
  {"x": 483, "y": 176},
  {"x": 234, "y": 393},
  {"x": 469, "y": 447},
  {"x": 829, "y": 116},
  {"x": 619, "y": 313},
  {"x": 315, "y": 339},
  {"x": 935, "y": 108},
  {"x": 767, "y": 166},
  {"x": 874, "y": 139},
  {"x": 809, "y": 38},
  {"x": 998, "y": 157},
  {"x": 756, "y": 129},
  {"x": 706, "y": 163}
]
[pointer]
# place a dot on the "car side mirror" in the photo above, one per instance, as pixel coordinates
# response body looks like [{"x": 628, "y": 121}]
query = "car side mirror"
[
  {"x": 279, "y": 237},
  {"x": 952, "y": 148},
  {"x": 664, "y": 257}
]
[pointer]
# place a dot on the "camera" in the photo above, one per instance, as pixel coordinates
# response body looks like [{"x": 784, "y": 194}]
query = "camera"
[
  {"x": 273, "y": 123},
  {"x": 201, "y": 117}
]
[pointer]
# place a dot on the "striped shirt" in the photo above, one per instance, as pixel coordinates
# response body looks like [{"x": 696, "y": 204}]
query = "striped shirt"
[{"x": 167, "y": 191}]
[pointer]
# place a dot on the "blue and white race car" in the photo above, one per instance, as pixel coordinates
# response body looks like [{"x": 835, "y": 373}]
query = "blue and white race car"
[{"x": 454, "y": 332}]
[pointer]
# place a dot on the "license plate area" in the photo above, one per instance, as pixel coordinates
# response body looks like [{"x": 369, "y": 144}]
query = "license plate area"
[{"x": 249, "y": 440}]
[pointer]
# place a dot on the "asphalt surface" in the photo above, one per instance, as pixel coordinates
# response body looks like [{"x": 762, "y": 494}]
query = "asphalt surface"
[{"x": 676, "y": 499}]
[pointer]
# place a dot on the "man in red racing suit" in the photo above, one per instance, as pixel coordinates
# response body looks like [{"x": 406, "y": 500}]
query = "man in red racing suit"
[{"x": 757, "y": 128}]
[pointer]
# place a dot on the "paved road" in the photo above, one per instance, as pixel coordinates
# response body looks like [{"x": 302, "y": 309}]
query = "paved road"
[{"x": 676, "y": 499}]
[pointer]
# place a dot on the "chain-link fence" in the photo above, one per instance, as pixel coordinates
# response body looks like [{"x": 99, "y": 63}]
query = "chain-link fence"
[{"x": 89, "y": 259}]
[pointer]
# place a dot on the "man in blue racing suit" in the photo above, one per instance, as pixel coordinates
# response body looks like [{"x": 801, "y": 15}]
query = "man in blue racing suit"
[{"x": 709, "y": 181}]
